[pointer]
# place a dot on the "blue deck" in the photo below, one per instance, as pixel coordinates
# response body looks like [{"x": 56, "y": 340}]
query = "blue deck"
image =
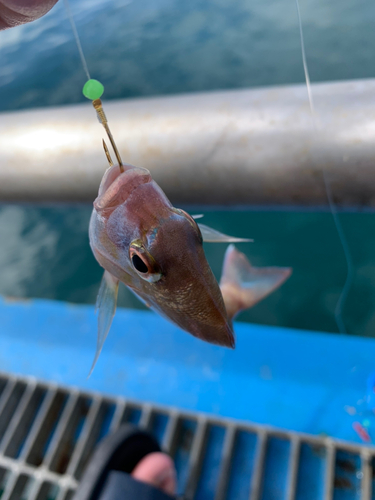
[{"x": 293, "y": 379}]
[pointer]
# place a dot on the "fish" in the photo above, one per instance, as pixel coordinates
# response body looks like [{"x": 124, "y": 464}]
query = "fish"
[{"x": 155, "y": 249}]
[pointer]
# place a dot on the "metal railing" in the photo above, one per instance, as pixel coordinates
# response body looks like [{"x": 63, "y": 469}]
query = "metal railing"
[{"x": 252, "y": 147}]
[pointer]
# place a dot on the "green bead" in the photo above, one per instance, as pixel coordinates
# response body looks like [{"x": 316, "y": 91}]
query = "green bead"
[
  {"x": 366, "y": 423},
  {"x": 93, "y": 89}
]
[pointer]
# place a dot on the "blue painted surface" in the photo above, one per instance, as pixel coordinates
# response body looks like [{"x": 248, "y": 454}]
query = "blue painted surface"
[
  {"x": 311, "y": 472},
  {"x": 276, "y": 469},
  {"x": 242, "y": 466},
  {"x": 288, "y": 378},
  {"x": 210, "y": 471}
]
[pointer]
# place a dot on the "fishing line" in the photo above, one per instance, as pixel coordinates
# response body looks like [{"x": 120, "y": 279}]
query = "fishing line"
[
  {"x": 78, "y": 42},
  {"x": 93, "y": 90},
  {"x": 344, "y": 243},
  {"x": 348, "y": 257},
  {"x": 305, "y": 67}
]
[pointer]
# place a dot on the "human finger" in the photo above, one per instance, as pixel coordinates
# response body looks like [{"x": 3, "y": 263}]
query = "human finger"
[
  {"x": 157, "y": 469},
  {"x": 15, "y": 12}
]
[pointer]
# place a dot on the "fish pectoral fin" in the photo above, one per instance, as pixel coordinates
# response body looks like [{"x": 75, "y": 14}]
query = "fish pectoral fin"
[
  {"x": 210, "y": 235},
  {"x": 106, "y": 305},
  {"x": 243, "y": 285}
]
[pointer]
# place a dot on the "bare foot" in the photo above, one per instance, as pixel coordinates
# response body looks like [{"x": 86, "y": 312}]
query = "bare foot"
[{"x": 157, "y": 469}]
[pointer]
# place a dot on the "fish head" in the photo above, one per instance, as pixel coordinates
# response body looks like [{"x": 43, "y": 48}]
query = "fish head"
[{"x": 157, "y": 250}]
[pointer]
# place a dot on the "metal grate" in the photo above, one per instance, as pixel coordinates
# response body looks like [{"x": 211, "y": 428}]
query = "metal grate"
[{"x": 48, "y": 432}]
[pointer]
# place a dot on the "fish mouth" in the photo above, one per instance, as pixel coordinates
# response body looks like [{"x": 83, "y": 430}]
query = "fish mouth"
[
  {"x": 109, "y": 178},
  {"x": 118, "y": 186}
]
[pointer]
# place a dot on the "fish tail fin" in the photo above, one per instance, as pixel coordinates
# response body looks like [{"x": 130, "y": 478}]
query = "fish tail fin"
[
  {"x": 106, "y": 305},
  {"x": 243, "y": 285}
]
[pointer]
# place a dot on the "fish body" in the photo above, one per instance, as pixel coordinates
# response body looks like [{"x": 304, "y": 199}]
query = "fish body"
[{"x": 155, "y": 249}]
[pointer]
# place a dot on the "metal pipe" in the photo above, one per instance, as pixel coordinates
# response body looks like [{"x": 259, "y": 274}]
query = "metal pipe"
[{"x": 256, "y": 147}]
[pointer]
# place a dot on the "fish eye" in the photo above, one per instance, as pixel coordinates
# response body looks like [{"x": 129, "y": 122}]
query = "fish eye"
[
  {"x": 139, "y": 265},
  {"x": 143, "y": 262}
]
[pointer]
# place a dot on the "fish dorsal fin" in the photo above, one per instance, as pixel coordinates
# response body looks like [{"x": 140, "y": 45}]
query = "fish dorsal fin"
[
  {"x": 243, "y": 285},
  {"x": 106, "y": 305},
  {"x": 210, "y": 235}
]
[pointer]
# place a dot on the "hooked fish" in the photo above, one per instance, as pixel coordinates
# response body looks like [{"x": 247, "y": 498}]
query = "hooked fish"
[{"x": 156, "y": 250}]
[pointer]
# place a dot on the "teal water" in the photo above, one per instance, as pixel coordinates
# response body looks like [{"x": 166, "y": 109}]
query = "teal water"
[
  {"x": 44, "y": 252},
  {"x": 148, "y": 47},
  {"x": 153, "y": 47}
]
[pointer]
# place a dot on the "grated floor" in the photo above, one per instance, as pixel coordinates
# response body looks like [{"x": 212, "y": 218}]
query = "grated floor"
[{"x": 48, "y": 432}]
